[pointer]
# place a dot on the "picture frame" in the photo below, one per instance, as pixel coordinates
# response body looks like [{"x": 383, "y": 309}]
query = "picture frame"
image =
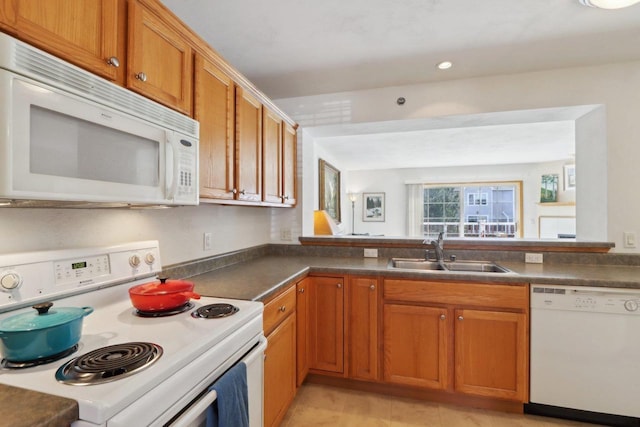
[
  {"x": 329, "y": 190},
  {"x": 549, "y": 188},
  {"x": 569, "y": 182},
  {"x": 373, "y": 207}
]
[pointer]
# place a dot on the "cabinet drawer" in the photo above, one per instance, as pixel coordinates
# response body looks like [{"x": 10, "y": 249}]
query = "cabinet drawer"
[
  {"x": 515, "y": 296},
  {"x": 276, "y": 310}
]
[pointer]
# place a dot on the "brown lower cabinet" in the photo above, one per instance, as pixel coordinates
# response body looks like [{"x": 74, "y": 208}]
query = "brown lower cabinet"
[{"x": 280, "y": 356}]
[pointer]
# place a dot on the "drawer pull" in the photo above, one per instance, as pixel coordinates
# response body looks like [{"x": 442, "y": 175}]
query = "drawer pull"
[
  {"x": 283, "y": 308},
  {"x": 372, "y": 287},
  {"x": 301, "y": 290},
  {"x": 460, "y": 318},
  {"x": 141, "y": 76},
  {"x": 443, "y": 317}
]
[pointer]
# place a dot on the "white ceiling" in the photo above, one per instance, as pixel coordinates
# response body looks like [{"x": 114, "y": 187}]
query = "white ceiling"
[{"x": 302, "y": 47}]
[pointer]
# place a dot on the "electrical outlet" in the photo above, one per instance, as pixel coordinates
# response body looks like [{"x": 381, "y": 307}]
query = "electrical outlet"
[
  {"x": 371, "y": 253},
  {"x": 285, "y": 234},
  {"x": 533, "y": 258},
  {"x": 629, "y": 240},
  {"x": 208, "y": 241}
]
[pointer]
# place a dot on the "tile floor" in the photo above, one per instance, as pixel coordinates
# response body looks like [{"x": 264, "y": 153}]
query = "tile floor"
[{"x": 319, "y": 405}]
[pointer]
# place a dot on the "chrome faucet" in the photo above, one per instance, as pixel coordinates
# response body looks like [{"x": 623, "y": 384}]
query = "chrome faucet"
[{"x": 437, "y": 247}]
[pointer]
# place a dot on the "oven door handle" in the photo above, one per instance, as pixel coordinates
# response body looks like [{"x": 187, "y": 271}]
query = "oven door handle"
[{"x": 196, "y": 410}]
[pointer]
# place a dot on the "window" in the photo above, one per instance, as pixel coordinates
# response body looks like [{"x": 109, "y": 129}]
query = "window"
[{"x": 472, "y": 210}]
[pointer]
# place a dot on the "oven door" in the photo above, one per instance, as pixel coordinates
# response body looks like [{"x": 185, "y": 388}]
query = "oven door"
[{"x": 195, "y": 414}]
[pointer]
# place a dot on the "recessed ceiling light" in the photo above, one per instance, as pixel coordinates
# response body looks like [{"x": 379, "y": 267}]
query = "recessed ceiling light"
[
  {"x": 444, "y": 65},
  {"x": 609, "y": 4}
]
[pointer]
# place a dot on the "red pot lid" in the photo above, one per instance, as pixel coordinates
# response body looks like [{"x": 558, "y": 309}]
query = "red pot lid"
[{"x": 162, "y": 286}]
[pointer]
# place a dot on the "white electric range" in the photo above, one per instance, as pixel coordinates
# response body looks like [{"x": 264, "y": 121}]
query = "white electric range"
[{"x": 173, "y": 390}]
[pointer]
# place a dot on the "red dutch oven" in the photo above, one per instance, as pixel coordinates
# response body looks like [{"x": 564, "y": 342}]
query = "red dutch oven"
[{"x": 162, "y": 295}]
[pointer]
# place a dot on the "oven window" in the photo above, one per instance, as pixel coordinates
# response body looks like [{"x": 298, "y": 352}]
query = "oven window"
[{"x": 67, "y": 146}]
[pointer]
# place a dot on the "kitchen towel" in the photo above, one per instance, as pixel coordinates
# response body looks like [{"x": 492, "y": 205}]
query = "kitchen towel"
[{"x": 231, "y": 408}]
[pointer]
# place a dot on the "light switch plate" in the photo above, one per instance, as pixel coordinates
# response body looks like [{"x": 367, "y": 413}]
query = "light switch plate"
[
  {"x": 533, "y": 258},
  {"x": 371, "y": 253},
  {"x": 629, "y": 239},
  {"x": 208, "y": 241}
]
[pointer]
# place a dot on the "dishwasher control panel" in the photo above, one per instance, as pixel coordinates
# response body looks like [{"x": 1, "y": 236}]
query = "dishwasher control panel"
[{"x": 579, "y": 298}]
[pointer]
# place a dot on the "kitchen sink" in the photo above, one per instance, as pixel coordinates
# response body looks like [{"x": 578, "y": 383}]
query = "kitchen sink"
[{"x": 451, "y": 266}]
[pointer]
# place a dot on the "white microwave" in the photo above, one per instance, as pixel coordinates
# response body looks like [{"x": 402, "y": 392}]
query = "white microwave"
[{"x": 69, "y": 138}]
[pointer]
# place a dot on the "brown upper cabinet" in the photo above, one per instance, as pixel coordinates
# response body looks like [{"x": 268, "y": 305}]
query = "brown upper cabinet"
[
  {"x": 248, "y": 146},
  {"x": 67, "y": 29},
  {"x": 159, "y": 59},
  {"x": 289, "y": 162},
  {"x": 271, "y": 156},
  {"x": 214, "y": 108}
]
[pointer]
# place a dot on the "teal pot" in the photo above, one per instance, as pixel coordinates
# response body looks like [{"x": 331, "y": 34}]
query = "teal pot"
[{"x": 36, "y": 335}]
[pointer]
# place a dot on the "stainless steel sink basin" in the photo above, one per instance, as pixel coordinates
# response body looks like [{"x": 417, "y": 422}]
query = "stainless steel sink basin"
[
  {"x": 416, "y": 264},
  {"x": 452, "y": 266}
]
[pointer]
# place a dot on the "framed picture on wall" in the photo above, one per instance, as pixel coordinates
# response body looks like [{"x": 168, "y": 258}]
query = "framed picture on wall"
[
  {"x": 373, "y": 207},
  {"x": 569, "y": 177},
  {"x": 549, "y": 188},
  {"x": 329, "y": 190}
]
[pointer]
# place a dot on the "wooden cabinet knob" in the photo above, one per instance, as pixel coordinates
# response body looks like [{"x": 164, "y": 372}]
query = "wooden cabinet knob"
[
  {"x": 114, "y": 62},
  {"x": 141, "y": 76}
]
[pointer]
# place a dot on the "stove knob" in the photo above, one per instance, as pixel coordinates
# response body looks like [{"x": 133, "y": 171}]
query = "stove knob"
[
  {"x": 149, "y": 258},
  {"x": 134, "y": 261},
  {"x": 631, "y": 305},
  {"x": 10, "y": 280}
]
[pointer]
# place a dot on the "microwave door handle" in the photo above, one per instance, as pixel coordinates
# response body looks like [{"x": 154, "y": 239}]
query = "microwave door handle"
[
  {"x": 194, "y": 411},
  {"x": 172, "y": 165}
]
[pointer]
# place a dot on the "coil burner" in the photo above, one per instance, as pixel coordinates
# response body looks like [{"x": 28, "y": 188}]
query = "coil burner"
[
  {"x": 109, "y": 363},
  {"x": 164, "y": 313},
  {"x": 9, "y": 364},
  {"x": 215, "y": 311}
]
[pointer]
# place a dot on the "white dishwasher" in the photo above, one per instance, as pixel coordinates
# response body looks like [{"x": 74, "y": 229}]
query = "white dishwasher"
[{"x": 585, "y": 353}]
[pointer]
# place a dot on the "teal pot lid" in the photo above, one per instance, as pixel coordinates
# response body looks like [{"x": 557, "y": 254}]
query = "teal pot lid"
[{"x": 44, "y": 318}]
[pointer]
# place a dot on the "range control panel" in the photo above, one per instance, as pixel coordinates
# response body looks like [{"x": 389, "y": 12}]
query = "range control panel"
[
  {"x": 576, "y": 298},
  {"x": 31, "y": 277}
]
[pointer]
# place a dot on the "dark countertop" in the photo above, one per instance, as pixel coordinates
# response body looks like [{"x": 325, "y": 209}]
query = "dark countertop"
[
  {"x": 260, "y": 278},
  {"x": 26, "y": 408}
]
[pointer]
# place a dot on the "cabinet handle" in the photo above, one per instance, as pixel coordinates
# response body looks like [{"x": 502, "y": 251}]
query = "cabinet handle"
[
  {"x": 114, "y": 62},
  {"x": 141, "y": 76},
  {"x": 460, "y": 318},
  {"x": 301, "y": 290},
  {"x": 283, "y": 308},
  {"x": 372, "y": 287},
  {"x": 339, "y": 285},
  {"x": 442, "y": 317},
  {"x": 285, "y": 197},
  {"x": 234, "y": 191},
  {"x": 242, "y": 192}
]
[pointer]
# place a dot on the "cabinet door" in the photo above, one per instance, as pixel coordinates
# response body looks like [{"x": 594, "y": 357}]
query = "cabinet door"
[
  {"x": 289, "y": 162},
  {"x": 326, "y": 333},
  {"x": 86, "y": 33},
  {"x": 160, "y": 62},
  {"x": 363, "y": 328},
  {"x": 280, "y": 371},
  {"x": 271, "y": 156},
  {"x": 214, "y": 109},
  {"x": 491, "y": 351},
  {"x": 415, "y": 345},
  {"x": 248, "y": 146},
  {"x": 302, "y": 330}
]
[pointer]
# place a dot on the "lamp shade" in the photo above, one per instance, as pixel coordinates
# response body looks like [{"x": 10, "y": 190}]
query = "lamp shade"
[{"x": 323, "y": 224}]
